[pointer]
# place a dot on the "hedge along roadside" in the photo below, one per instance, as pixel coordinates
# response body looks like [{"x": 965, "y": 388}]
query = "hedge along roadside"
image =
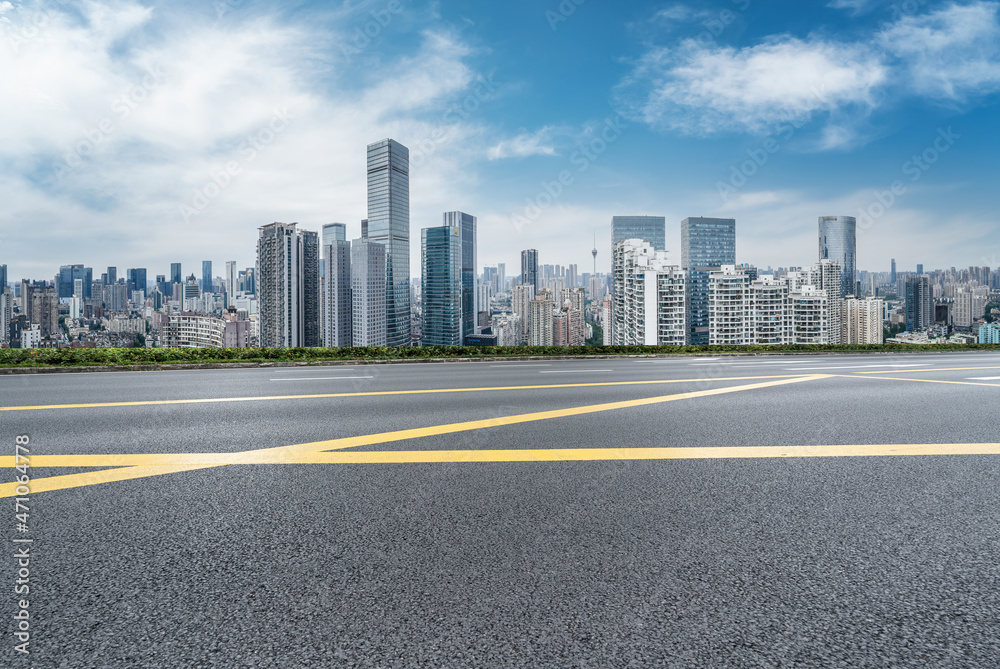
[{"x": 68, "y": 357}]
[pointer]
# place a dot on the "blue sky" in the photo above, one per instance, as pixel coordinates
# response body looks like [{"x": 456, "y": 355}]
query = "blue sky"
[{"x": 144, "y": 133}]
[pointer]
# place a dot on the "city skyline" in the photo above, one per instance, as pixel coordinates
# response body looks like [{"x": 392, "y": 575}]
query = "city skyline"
[{"x": 148, "y": 155}]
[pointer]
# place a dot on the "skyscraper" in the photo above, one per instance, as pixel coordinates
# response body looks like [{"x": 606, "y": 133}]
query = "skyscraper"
[
  {"x": 231, "y": 281},
  {"x": 892, "y": 273},
  {"x": 337, "y": 318},
  {"x": 3, "y": 278},
  {"x": 706, "y": 245},
  {"x": 113, "y": 274},
  {"x": 919, "y": 303},
  {"x": 442, "y": 285},
  {"x": 920, "y": 269},
  {"x": 175, "y": 273},
  {"x": 206, "y": 276},
  {"x": 68, "y": 274},
  {"x": 288, "y": 271},
  {"x": 529, "y": 269},
  {"x": 838, "y": 241},
  {"x": 389, "y": 225},
  {"x": 466, "y": 225},
  {"x": 136, "y": 280},
  {"x": 368, "y": 294},
  {"x": 650, "y": 229}
]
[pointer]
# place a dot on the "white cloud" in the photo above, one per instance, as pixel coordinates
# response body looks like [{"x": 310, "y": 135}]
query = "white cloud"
[
  {"x": 697, "y": 88},
  {"x": 707, "y": 89},
  {"x": 524, "y": 145},
  {"x": 5, "y": 7},
  {"x": 854, "y": 6},
  {"x": 951, "y": 53},
  {"x": 141, "y": 145}
]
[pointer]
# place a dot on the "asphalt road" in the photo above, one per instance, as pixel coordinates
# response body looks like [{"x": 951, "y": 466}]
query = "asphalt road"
[{"x": 527, "y": 543}]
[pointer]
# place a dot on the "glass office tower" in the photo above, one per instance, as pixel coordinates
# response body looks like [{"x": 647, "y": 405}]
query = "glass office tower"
[
  {"x": 175, "y": 273},
  {"x": 650, "y": 229},
  {"x": 466, "y": 226},
  {"x": 529, "y": 269},
  {"x": 838, "y": 241},
  {"x": 389, "y": 225},
  {"x": 706, "y": 245},
  {"x": 206, "y": 276},
  {"x": 441, "y": 283}
]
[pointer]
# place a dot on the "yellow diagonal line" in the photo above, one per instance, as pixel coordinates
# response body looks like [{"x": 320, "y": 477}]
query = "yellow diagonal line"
[
  {"x": 952, "y": 383},
  {"x": 918, "y": 371},
  {"x": 695, "y": 453},
  {"x": 146, "y": 465},
  {"x": 271, "y": 398}
]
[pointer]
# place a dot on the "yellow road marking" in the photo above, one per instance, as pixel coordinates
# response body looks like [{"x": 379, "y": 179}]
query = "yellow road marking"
[
  {"x": 146, "y": 465},
  {"x": 386, "y": 392},
  {"x": 954, "y": 383},
  {"x": 697, "y": 453},
  {"x": 917, "y": 371}
]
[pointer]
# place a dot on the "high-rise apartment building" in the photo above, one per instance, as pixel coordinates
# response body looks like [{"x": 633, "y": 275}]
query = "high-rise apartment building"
[
  {"x": 919, "y": 303},
  {"x": 529, "y": 269},
  {"x": 368, "y": 294},
  {"x": 540, "y": 320},
  {"x": 706, "y": 245},
  {"x": 288, "y": 271},
  {"x": 838, "y": 241},
  {"x": 828, "y": 275},
  {"x": 649, "y": 298},
  {"x": 862, "y": 321},
  {"x": 521, "y": 304},
  {"x": 728, "y": 306},
  {"x": 45, "y": 310},
  {"x": 338, "y": 319},
  {"x": 466, "y": 226},
  {"x": 442, "y": 288},
  {"x": 389, "y": 225}
]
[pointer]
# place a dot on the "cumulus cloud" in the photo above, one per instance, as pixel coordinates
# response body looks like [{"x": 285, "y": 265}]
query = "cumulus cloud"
[
  {"x": 524, "y": 145},
  {"x": 698, "y": 88},
  {"x": 708, "y": 89},
  {"x": 126, "y": 123},
  {"x": 952, "y": 53}
]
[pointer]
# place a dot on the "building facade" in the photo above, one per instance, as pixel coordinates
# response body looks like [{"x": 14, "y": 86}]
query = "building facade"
[
  {"x": 338, "y": 321},
  {"x": 838, "y": 242},
  {"x": 706, "y": 245},
  {"x": 388, "y": 224},
  {"x": 368, "y": 295},
  {"x": 288, "y": 271},
  {"x": 466, "y": 225},
  {"x": 442, "y": 286}
]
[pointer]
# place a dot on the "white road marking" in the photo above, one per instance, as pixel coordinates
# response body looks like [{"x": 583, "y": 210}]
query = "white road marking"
[
  {"x": 887, "y": 365},
  {"x": 325, "y": 378},
  {"x": 575, "y": 371}
]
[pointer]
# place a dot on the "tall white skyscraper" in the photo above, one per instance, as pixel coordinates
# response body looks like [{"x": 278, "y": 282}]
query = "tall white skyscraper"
[
  {"x": 838, "y": 242},
  {"x": 368, "y": 295},
  {"x": 338, "y": 321},
  {"x": 232, "y": 281},
  {"x": 388, "y": 223}
]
